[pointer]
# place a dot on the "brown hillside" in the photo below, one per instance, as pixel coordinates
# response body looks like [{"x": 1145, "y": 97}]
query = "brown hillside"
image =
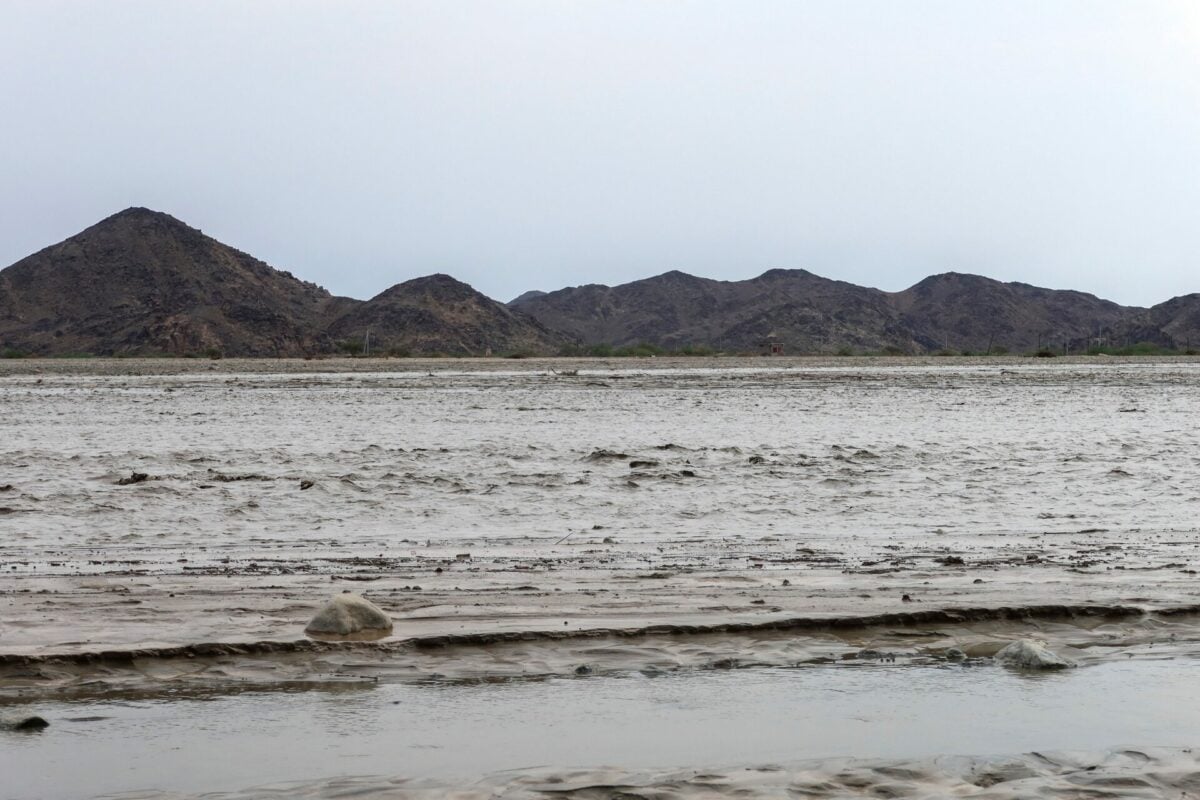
[
  {"x": 438, "y": 314},
  {"x": 142, "y": 282},
  {"x": 968, "y": 312},
  {"x": 806, "y": 312}
]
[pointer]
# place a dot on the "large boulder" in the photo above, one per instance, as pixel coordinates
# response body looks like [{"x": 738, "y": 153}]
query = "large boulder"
[
  {"x": 1028, "y": 654},
  {"x": 349, "y": 615}
]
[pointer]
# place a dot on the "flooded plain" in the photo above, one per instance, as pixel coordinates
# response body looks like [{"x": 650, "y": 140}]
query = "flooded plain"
[{"x": 668, "y": 564}]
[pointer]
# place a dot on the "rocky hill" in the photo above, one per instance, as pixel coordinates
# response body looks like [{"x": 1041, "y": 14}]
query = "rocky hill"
[
  {"x": 806, "y": 313},
  {"x": 143, "y": 283},
  {"x": 438, "y": 314},
  {"x": 1174, "y": 324},
  {"x": 967, "y": 312}
]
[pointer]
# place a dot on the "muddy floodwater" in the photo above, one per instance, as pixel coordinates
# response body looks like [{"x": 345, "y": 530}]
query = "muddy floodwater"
[
  {"x": 442, "y": 735},
  {"x": 767, "y": 573}
]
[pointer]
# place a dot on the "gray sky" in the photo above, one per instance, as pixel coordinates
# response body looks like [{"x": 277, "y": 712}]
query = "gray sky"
[{"x": 536, "y": 145}]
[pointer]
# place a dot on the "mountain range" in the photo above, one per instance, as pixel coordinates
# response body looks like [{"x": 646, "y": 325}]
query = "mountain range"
[{"x": 143, "y": 283}]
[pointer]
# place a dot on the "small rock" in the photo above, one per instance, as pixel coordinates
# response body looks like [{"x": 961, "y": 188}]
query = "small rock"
[
  {"x": 605, "y": 455},
  {"x": 583, "y": 669},
  {"x": 306, "y": 485},
  {"x": 954, "y": 654},
  {"x": 906, "y": 599},
  {"x": 33, "y": 723},
  {"x": 134, "y": 477},
  {"x": 1029, "y": 654},
  {"x": 347, "y": 614}
]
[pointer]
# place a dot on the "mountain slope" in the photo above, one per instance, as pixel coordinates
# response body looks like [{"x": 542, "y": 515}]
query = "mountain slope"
[
  {"x": 806, "y": 312},
  {"x": 141, "y": 281},
  {"x": 1174, "y": 324},
  {"x": 968, "y": 312},
  {"x": 438, "y": 314},
  {"x": 810, "y": 314}
]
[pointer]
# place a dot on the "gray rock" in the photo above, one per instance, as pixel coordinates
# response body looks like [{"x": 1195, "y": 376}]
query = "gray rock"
[
  {"x": 31, "y": 723},
  {"x": 348, "y": 614},
  {"x": 954, "y": 654},
  {"x": 1028, "y": 654}
]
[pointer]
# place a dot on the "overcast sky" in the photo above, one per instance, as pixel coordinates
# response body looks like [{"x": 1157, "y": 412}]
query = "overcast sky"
[{"x": 530, "y": 145}]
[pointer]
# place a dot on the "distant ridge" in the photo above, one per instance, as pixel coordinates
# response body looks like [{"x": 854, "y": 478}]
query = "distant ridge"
[
  {"x": 805, "y": 313},
  {"x": 143, "y": 283}
]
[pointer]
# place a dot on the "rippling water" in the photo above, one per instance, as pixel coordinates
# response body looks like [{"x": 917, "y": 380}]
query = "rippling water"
[
  {"x": 459, "y": 733},
  {"x": 828, "y": 456},
  {"x": 153, "y": 504}
]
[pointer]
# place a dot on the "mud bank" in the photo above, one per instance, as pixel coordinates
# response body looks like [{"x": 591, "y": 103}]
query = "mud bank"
[
  {"x": 1085, "y": 634},
  {"x": 1152, "y": 773}
]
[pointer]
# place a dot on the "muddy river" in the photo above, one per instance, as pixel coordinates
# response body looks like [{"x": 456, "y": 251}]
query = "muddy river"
[{"x": 601, "y": 573}]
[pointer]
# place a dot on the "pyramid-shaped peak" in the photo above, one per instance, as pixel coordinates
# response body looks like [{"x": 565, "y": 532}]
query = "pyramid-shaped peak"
[{"x": 142, "y": 214}]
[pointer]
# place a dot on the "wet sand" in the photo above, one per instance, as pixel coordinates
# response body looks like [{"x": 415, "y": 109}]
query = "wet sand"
[{"x": 521, "y": 519}]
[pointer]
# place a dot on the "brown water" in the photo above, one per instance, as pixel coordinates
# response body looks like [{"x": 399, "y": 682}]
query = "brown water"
[
  {"x": 853, "y": 482},
  {"x": 472, "y": 498},
  {"x": 460, "y": 734}
]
